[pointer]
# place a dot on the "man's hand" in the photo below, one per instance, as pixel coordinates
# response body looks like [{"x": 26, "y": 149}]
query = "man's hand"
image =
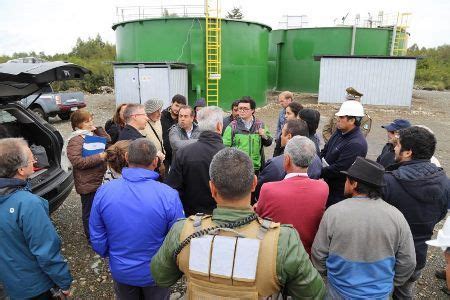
[
  {"x": 262, "y": 133},
  {"x": 161, "y": 156},
  {"x": 67, "y": 293}
]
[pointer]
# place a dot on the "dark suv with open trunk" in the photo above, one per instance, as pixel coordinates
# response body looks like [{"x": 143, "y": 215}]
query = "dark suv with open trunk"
[{"x": 18, "y": 80}]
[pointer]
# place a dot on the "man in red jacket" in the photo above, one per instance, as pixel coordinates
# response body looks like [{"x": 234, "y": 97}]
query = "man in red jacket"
[{"x": 296, "y": 200}]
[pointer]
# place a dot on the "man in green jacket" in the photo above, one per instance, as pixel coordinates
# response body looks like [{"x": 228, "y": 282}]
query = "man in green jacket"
[
  {"x": 282, "y": 263},
  {"x": 248, "y": 133}
]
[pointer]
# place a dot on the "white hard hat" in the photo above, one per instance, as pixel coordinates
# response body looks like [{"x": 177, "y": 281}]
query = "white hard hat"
[
  {"x": 443, "y": 237},
  {"x": 351, "y": 108}
]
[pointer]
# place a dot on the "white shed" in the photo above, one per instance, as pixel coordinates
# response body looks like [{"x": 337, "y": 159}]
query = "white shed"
[
  {"x": 139, "y": 82},
  {"x": 384, "y": 80}
]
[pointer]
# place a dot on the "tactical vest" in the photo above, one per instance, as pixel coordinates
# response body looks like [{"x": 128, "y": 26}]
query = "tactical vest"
[{"x": 230, "y": 264}]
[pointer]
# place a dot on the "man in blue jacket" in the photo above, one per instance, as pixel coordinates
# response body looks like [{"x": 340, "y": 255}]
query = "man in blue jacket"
[
  {"x": 340, "y": 152},
  {"x": 130, "y": 218},
  {"x": 30, "y": 259},
  {"x": 420, "y": 190}
]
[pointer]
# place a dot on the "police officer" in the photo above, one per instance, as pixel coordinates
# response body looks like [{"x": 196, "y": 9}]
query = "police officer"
[
  {"x": 366, "y": 121},
  {"x": 234, "y": 253}
]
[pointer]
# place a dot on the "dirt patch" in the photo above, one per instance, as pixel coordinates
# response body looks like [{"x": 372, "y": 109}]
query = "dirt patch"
[{"x": 91, "y": 273}]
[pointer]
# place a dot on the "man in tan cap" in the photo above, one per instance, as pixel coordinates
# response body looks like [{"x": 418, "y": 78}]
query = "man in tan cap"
[
  {"x": 330, "y": 126},
  {"x": 153, "y": 129}
]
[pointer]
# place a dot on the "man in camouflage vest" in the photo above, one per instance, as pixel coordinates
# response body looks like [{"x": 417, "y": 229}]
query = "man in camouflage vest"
[{"x": 234, "y": 254}]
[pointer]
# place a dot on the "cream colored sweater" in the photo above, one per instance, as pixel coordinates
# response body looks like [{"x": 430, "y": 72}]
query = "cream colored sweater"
[{"x": 150, "y": 134}]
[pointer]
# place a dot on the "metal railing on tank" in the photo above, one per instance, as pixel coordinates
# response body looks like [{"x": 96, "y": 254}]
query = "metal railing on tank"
[{"x": 130, "y": 13}]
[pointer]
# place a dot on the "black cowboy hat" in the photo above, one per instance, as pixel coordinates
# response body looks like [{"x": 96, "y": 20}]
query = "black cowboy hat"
[{"x": 366, "y": 171}]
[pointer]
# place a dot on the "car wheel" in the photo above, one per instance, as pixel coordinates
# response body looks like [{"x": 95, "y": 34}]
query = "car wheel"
[
  {"x": 64, "y": 116},
  {"x": 40, "y": 112}
]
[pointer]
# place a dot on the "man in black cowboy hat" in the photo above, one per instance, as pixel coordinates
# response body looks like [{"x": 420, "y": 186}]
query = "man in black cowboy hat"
[{"x": 363, "y": 244}]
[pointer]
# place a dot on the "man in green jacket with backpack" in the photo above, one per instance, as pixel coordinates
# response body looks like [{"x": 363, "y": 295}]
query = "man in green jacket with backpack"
[{"x": 248, "y": 133}]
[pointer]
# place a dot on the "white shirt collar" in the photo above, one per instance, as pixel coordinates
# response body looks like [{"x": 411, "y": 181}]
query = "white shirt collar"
[
  {"x": 290, "y": 175},
  {"x": 189, "y": 132}
]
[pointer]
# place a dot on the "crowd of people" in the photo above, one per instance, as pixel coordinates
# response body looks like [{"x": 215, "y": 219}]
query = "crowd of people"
[{"x": 187, "y": 191}]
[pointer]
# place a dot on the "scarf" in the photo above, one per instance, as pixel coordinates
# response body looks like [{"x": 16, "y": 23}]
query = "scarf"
[{"x": 66, "y": 165}]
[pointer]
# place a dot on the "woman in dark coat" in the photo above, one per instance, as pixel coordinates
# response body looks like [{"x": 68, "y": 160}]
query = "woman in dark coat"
[{"x": 114, "y": 126}]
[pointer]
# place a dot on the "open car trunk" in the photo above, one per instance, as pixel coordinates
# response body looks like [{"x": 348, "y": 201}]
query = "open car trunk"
[
  {"x": 49, "y": 180},
  {"x": 19, "y": 80}
]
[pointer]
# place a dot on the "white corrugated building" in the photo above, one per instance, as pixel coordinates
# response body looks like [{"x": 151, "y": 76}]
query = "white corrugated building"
[
  {"x": 139, "y": 82},
  {"x": 384, "y": 80}
]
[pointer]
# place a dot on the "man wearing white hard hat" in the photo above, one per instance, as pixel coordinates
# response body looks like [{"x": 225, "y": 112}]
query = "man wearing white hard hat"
[
  {"x": 341, "y": 150},
  {"x": 366, "y": 122},
  {"x": 443, "y": 240}
]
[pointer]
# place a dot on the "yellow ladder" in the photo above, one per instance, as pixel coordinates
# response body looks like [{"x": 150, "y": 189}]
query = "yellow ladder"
[
  {"x": 401, "y": 35},
  {"x": 213, "y": 51}
]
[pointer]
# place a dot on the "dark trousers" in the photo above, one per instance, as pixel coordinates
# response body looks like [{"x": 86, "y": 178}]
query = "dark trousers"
[
  {"x": 407, "y": 290},
  {"x": 44, "y": 296},
  {"x": 2, "y": 292},
  {"x": 86, "y": 205},
  {"x": 278, "y": 149},
  {"x": 129, "y": 292}
]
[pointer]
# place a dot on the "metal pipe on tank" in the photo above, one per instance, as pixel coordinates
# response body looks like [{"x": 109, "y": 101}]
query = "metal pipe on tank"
[
  {"x": 352, "y": 51},
  {"x": 198, "y": 91},
  {"x": 277, "y": 65}
]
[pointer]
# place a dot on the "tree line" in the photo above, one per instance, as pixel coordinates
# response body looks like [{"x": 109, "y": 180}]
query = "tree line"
[
  {"x": 433, "y": 67},
  {"x": 93, "y": 53}
]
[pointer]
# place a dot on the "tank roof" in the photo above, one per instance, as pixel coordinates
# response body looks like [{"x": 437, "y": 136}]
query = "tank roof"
[
  {"x": 187, "y": 18},
  {"x": 334, "y": 27},
  {"x": 319, "y": 57}
]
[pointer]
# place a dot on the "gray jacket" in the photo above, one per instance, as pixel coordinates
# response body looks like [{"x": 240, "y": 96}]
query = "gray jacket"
[
  {"x": 178, "y": 137},
  {"x": 365, "y": 247}
]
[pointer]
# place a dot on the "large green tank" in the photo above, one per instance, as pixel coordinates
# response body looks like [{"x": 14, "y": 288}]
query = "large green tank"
[
  {"x": 244, "y": 53},
  {"x": 291, "y": 52}
]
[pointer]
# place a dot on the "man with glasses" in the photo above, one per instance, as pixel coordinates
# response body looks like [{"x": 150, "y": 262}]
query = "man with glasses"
[
  {"x": 387, "y": 156},
  {"x": 30, "y": 253},
  {"x": 135, "y": 120},
  {"x": 248, "y": 133}
]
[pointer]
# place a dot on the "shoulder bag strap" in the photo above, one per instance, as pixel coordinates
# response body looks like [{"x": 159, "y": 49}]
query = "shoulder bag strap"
[{"x": 156, "y": 134}]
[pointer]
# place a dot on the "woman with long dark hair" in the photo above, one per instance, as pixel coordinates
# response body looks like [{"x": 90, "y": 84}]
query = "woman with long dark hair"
[
  {"x": 312, "y": 118},
  {"x": 114, "y": 125}
]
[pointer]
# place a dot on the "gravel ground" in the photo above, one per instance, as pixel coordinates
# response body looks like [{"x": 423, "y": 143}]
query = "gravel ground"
[{"x": 92, "y": 279}]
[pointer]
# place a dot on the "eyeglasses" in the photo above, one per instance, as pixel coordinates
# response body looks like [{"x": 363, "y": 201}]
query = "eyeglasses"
[
  {"x": 30, "y": 161},
  {"x": 139, "y": 115},
  {"x": 244, "y": 108}
]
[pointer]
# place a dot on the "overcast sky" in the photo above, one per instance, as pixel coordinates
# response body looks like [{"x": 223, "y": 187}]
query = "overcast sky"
[{"x": 53, "y": 26}]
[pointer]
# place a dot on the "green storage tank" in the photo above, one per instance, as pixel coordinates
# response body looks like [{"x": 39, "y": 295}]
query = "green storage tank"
[
  {"x": 291, "y": 52},
  {"x": 244, "y": 53}
]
